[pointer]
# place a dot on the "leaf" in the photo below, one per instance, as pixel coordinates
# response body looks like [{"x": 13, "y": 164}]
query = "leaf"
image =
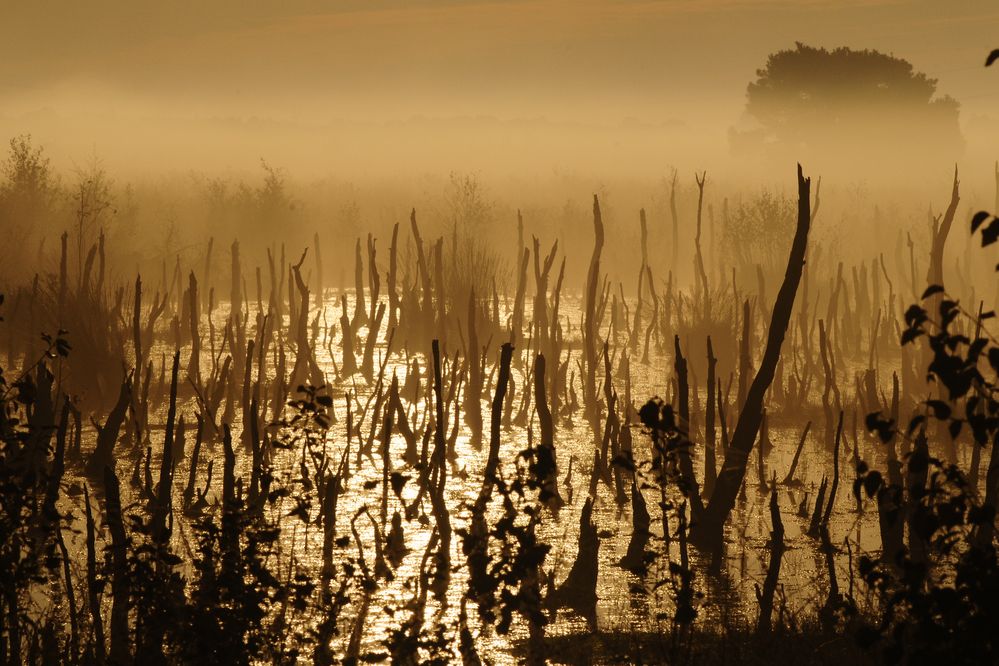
[
  {"x": 915, "y": 315},
  {"x": 992, "y": 57},
  {"x": 948, "y": 310},
  {"x": 63, "y": 347},
  {"x": 649, "y": 414},
  {"x": 976, "y": 349},
  {"x": 990, "y": 234},
  {"x": 994, "y": 358},
  {"x": 873, "y": 483},
  {"x": 857, "y": 485},
  {"x": 884, "y": 427},
  {"x": 941, "y": 409},
  {"x": 977, "y": 219},
  {"x": 932, "y": 289}
]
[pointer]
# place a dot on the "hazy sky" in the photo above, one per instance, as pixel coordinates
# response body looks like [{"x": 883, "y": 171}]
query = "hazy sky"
[{"x": 593, "y": 61}]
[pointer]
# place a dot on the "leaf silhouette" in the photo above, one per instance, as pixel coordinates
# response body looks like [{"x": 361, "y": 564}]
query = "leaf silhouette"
[
  {"x": 977, "y": 220},
  {"x": 992, "y": 57},
  {"x": 932, "y": 289},
  {"x": 990, "y": 234},
  {"x": 941, "y": 409}
]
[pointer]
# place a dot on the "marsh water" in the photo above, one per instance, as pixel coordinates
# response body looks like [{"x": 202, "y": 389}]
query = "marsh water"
[{"x": 626, "y": 602}]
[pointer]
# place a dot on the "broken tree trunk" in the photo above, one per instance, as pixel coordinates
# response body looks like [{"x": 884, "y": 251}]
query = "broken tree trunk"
[
  {"x": 591, "y": 324},
  {"x": 766, "y": 596},
  {"x": 120, "y": 640},
  {"x": 579, "y": 591},
  {"x": 688, "y": 480},
  {"x": 707, "y": 532},
  {"x": 547, "y": 461},
  {"x": 710, "y": 467}
]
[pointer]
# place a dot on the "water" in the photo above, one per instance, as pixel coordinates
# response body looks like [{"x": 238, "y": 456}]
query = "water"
[{"x": 730, "y": 596}]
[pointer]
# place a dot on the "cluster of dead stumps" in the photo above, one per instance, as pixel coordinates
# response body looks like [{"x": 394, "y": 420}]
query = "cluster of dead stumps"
[{"x": 191, "y": 478}]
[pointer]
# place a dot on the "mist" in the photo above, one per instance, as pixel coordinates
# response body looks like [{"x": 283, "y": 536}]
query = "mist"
[{"x": 523, "y": 331}]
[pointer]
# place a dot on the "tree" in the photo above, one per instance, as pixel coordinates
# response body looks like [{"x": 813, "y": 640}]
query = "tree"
[
  {"x": 29, "y": 197},
  {"x": 815, "y": 100},
  {"x": 28, "y": 186}
]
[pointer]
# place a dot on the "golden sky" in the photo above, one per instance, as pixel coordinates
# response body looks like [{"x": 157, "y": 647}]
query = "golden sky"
[
  {"x": 587, "y": 61},
  {"x": 524, "y": 54}
]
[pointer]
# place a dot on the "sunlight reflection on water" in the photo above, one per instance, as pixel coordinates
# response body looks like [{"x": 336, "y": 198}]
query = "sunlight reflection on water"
[{"x": 619, "y": 607}]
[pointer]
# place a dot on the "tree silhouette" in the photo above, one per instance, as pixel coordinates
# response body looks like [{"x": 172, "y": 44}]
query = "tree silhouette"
[
  {"x": 30, "y": 194},
  {"x": 813, "y": 98}
]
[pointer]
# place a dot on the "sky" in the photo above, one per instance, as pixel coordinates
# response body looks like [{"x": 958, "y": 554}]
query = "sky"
[{"x": 185, "y": 76}]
